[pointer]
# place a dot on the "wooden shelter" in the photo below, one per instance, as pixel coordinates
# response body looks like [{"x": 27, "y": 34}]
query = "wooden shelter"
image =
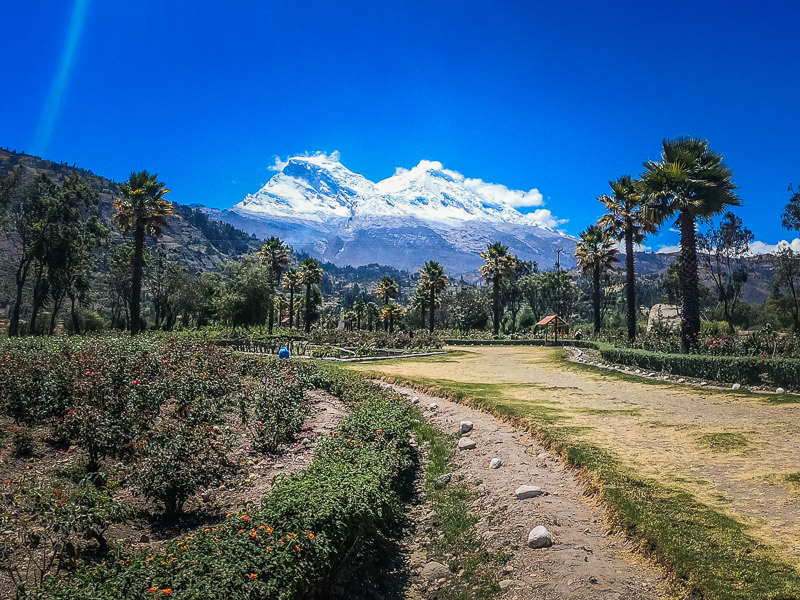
[{"x": 553, "y": 321}]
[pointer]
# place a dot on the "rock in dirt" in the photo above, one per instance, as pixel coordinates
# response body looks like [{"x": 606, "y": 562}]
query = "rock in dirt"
[
  {"x": 703, "y": 383},
  {"x": 681, "y": 380},
  {"x": 435, "y": 570},
  {"x": 780, "y": 391},
  {"x": 736, "y": 386},
  {"x": 507, "y": 583},
  {"x": 539, "y": 537},
  {"x": 466, "y": 444},
  {"x": 528, "y": 491},
  {"x": 415, "y": 400},
  {"x": 495, "y": 463},
  {"x": 444, "y": 479},
  {"x": 433, "y": 406},
  {"x": 466, "y": 426}
]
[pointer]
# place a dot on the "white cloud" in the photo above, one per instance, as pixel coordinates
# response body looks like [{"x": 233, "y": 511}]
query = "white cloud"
[
  {"x": 278, "y": 164},
  {"x": 763, "y": 248},
  {"x": 620, "y": 247},
  {"x": 502, "y": 194},
  {"x": 667, "y": 249},
  {"x": 542, "y": 216}
]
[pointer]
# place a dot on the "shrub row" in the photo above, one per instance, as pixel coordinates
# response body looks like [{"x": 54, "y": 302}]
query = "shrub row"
[
  {"x": 305, "y": 533},
  {"x": 564, "y": 342},
  {"x": 782, "y": 372}
]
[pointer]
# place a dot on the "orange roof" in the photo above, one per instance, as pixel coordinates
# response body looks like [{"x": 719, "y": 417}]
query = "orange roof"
[{"x": 559, "y": 322}]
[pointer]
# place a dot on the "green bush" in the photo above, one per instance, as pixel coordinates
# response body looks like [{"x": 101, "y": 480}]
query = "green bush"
[
  {"x": 307, "y": 532},
  {"x": 750, "y": 370}
]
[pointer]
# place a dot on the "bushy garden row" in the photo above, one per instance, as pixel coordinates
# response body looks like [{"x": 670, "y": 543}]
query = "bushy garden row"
[
  {"x": 307, "y": 532},
  {"x": 784, "y": 372}
]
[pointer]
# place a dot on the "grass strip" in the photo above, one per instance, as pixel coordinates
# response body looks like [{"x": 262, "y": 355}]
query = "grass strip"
[
  {"x": 709, "y": 554},
  {"x": 475, "y": 569}
]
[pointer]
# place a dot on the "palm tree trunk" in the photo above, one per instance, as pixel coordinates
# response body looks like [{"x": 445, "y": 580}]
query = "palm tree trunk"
[
  {"x": 690, "y": 284},
  {"x": 496, "y": 305},
  {"x": 433, "y": 307},
  {"x": 38, "y": 292},
  {"x": 291, "y": 306},
  {"x": 423, "y": 310},
  {"x": 136, "y": 279},
  {"x": 630, "y": 284},
  {"x": 596, "y": 297},
  {"x": 308, "y": 307},
  {"x": 271, "y": 303}
]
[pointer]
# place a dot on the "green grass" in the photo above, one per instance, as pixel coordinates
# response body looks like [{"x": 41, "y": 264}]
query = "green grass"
[
  {"x": 709, "y": 554},
  {"x": 723, "y": 441},
  {"x": 793, "y": 478},
  {"x": 476, "y": 570}
]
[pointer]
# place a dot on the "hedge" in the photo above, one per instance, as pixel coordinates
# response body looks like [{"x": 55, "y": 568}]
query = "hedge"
[
  {"x": 307, "y": 531},
  {"x": 784, "y": 372},
  {"x": 573, "y": 343}
]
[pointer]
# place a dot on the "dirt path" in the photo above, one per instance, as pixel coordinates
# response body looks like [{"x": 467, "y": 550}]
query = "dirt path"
[
  {"x": 733, "y": 451},
  {"x": 584, "y": 561}
]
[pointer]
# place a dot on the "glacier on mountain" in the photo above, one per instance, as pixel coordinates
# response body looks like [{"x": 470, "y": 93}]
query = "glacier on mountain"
[{"x": 427, "y": 212}]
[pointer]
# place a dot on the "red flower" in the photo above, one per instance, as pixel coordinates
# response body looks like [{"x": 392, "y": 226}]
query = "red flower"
[
  {"x": 136, "y": 382},
  {"x": 166, "y": 361},
  {"x": 88, "y": 372}
]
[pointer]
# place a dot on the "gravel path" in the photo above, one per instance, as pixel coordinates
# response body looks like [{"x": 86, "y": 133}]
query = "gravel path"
[{"x": 584, "y": 561}]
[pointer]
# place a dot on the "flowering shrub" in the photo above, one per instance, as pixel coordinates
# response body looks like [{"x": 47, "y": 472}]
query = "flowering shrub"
[{"x": 304, "y": 534}]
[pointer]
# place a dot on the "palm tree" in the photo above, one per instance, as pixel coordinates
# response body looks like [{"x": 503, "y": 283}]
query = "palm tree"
[
  {"x": 141, "y": 206},
  {"x": 291, "y": 282},
  {"x": 693, "y": 182},
  {"x": 390, "y": 312},
  {"x": 420, "y": 300},
  {"x": 311, "y": 274},
  {"x": 387, "y": 289},
  {"x": 358, "y": 309},
  {"x": 373, "y": 314},
  {"x": 434, "y": 281},
  {"x": 275, "y": 255},
  {"x": 626, "y": 219},
  {"x": 595, "y": 253},
  {"x": 500, "y": 263},
  {"x": 282, "y": 303}
]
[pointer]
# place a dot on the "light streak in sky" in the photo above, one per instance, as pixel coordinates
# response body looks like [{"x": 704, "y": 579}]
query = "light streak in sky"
[{"x": 47, "y": 122}]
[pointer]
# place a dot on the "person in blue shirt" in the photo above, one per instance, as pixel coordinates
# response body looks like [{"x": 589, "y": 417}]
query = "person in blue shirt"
[{"x": 283, "y": 352}]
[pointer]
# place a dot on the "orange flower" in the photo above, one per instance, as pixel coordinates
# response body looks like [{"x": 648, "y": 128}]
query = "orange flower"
[
  {"x": 297, "y": 548},
  {"x": 228, "y": 516},
  {"x": 166, "y": 591},
  {"x": 152, "y": 589},
  {"x": 269, "y": 549},
  {"x": 269, "y": 529},
  {"x": 311, "y": 536},
  {"x": 244, "y": 518},
  {"x": 253, "y": 576},
  {"x": 241, "y": 531},
  {"x": 150, "y": 559},
  {"x": 253, "y": 534},
  {"x": 207, "y": 530}
]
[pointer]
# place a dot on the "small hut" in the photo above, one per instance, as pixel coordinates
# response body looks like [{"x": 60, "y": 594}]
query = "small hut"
[{"x": 552, "y": 321}]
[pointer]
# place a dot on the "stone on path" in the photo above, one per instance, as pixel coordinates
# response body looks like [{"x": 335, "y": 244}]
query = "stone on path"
[
  {"x": 435, "y": 570},
  {"x": 528, "y": 491},
  {"x": 466, "y": 444},
  {"x": 445, "y": 479},
  {"x": 736, "y": 386},
  {"x": 495, "y": 463},
  {"x": 780, "y": 391},
  {"x": 539, "y": 537},
  {"x": 681, "y": 380},
  {"x": 415, "y": 400},
  {"x": 703, "y": 383},
  {"x": 433, "y": 406},
  {"x": 466, "y": 426}
]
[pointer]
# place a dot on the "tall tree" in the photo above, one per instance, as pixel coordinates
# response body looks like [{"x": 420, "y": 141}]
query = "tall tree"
[
  {"x": 722, "y": 252},
  {"x": 693, "y": 182},
  {"x": 391, "y": 312},
  {"x": 358, "y": 309},
  {"x": 433, "y": 279},
  {"x": 499, "y": 264},
  {"x": 373, "y": 315},
  {"x": 420, "y": 300},
  {"x": 311, "y": 275},
  {"x": 595, "y": 253},
  {"x": 626, "y": 219},
  {"x": 387, "y": 289},
  {"x": 141, "y": 206},
  {"x": 275, "y": 255},
  {"x": 76, "y": 233},
  {"x": 787, "y": 275},
  {"x": 512, "y": 293},
  {"x": 291, "y": 282}
]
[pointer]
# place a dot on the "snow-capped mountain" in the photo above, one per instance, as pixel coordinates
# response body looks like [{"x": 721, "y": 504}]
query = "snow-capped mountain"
[{"x": 319, "y": 206}]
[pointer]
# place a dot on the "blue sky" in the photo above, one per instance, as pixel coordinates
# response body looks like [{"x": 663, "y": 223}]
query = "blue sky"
[{"x": 556, "y": 96}]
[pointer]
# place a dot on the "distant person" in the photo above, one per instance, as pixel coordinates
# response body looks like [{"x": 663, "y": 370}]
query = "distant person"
[
  {"x": 578, "y": 334},
  {"x": 283, "y": 352}
]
